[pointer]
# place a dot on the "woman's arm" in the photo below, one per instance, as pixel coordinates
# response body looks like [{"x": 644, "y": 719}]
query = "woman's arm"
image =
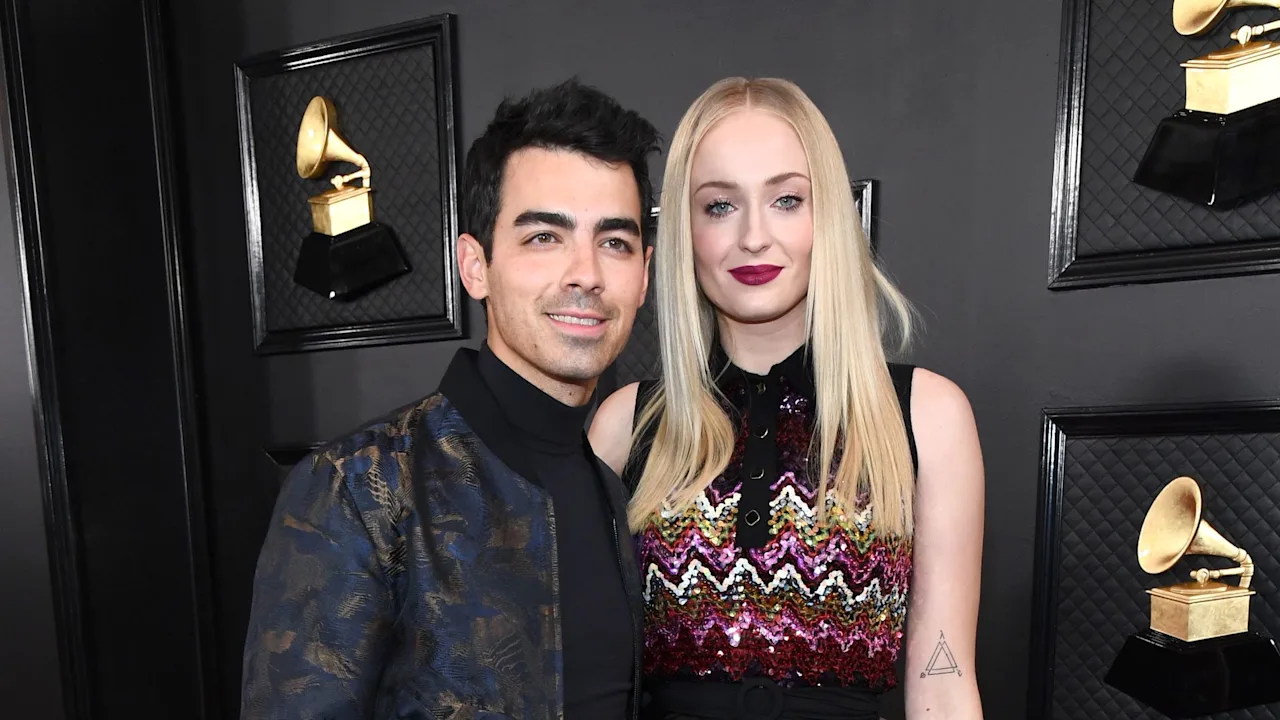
[
  {"x": 942, "y": 617},
  {"x": 610, "y": 433}
]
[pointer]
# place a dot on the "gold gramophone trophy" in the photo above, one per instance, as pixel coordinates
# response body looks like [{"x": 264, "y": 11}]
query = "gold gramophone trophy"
[
  {"x": 347, "y": 252},
  {"x": 1198, "y": 656},
  {"x": 1223, "y": 148}
]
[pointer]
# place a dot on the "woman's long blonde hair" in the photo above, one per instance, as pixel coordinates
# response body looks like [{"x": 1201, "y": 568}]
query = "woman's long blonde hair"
[{"x": 851, "y": 312}]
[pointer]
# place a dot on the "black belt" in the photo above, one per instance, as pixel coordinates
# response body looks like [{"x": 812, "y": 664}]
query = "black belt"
[{"x": 759, "y": 699}]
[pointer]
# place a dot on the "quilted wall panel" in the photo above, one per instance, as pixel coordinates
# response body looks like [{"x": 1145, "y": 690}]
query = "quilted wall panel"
[
  {"x": 1132, "y": 81},
  {"x": 1107, "y": 486},
  {"x": 640, "y": 359},
  {"x": 387, "y": 111}
]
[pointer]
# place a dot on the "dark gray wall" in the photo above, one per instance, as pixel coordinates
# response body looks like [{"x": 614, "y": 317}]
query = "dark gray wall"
[
  {"x": 951, "y": 107},
  {"x": 29, "y": 686}
]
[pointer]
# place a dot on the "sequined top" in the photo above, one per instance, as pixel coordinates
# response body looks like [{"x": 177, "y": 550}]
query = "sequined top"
[{"x": 746, "y": 583}]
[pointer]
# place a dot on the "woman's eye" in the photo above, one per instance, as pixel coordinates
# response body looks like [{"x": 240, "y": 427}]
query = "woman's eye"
[
  {"x": 719, "y": 208},
  {"x": 789, "y": 202}
]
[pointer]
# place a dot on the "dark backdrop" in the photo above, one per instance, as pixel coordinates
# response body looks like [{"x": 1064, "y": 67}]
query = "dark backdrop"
[
  {"x": 949, "y": 107},
  {"x": 29, "y": 683}
]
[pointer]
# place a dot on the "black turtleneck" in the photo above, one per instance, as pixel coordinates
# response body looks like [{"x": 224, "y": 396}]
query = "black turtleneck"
[{"x": 594, "y": 614}]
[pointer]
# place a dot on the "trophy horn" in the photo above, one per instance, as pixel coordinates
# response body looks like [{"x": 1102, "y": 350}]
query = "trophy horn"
[
  {"x": 1192, "y": 17},
  {"x": 1174, "y": 528},
  {"x": 320, "y": 144}
]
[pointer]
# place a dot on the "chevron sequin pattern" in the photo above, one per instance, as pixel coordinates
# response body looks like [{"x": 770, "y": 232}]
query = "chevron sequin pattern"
[{"x": 816, "y": 605}]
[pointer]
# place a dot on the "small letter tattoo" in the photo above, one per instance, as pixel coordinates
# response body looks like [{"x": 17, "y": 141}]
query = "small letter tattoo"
[{"x": 942, "y": 662}]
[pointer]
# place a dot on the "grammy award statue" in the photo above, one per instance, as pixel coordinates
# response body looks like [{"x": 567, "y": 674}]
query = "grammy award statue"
[
  {"x": 347, "y": 253},
  {"x": 1198, "y": 655}
]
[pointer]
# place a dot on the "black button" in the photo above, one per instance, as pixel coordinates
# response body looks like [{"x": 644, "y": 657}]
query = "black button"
[
  {"x": 758, "y": 474},
  {"x": 760, "y": 388},
  {"x": 762, "y": 433},
  {"x": 752, "y": 517}
]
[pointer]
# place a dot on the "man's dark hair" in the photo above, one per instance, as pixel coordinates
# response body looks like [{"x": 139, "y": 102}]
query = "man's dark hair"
[{"x": 569, "y": 116}]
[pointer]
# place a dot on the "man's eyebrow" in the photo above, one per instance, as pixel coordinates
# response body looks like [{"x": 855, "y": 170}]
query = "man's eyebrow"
[
  {"x": 618, "y": 224},
  {"x": 545, "y": 217},
  {"x": 565, "y": 221}
]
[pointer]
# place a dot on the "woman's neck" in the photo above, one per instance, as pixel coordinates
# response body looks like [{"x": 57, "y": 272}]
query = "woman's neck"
[{"x": 756, "y": 347}]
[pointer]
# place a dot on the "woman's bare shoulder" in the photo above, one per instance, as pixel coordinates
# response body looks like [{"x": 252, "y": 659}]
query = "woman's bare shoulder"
[{"x": 610, "y": 433}]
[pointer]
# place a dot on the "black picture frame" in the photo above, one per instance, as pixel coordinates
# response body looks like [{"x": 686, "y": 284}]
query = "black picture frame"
[
  {"x": 1067, "y": 270},
  {"x": 1063, "y": 425},
  {"x": 865, "y": 197},
  {"x": 437, "y": 30}
]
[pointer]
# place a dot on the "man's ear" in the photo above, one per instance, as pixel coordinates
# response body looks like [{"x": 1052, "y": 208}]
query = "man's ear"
[
  {"x": 648, "y": 257},
  {"x": 473, "y": 267}
]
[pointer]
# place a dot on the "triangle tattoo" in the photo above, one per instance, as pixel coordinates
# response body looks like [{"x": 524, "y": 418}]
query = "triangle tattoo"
[{"x": 942, "y": 662}]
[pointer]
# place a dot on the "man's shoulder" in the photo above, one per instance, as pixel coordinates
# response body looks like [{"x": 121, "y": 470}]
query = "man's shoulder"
[
  {"x": 393, "y": 432},
  {"x": 379, "y": 450},
  {"x": 370, "y": 468}
]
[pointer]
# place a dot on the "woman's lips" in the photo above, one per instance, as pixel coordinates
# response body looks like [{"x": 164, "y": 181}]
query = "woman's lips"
[{"x": 755, "y": 274}]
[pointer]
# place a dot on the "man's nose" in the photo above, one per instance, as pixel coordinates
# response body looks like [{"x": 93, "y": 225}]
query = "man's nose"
[{"x": 584, "y": 271}]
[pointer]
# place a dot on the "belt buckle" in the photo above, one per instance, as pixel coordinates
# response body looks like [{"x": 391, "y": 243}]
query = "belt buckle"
[{"x": 777, "y": 701}]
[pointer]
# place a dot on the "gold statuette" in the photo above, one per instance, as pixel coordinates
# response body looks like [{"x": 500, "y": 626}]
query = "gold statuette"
[
  {"x": 343, "y": 208},
  {"x": 1203, "y": 608},
  {"x": 1198, "y": 657},
  {"x": 1235, "y": 77},
  {"x": 1221, "y": 149},
  {"x": 348, "y": 253}
]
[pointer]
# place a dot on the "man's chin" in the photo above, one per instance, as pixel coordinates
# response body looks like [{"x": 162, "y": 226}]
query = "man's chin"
[
  {"x": 578, "y": 359},
  {"x": 567, "y": 368},
  {"x": 576, "y": 374}
]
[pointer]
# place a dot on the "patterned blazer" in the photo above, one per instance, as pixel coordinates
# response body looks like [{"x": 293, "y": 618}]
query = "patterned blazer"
[{"x": 409, "y": 571}]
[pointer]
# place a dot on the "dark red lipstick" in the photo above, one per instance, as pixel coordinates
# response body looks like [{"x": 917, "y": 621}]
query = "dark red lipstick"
[{"x": 755, "y": 274}]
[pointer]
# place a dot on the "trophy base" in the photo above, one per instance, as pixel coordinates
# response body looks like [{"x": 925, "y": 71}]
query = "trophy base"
[
  {"x": 341, "y": 210},
  {"x": 1215, "y": 160},
  {"x": 1233, "y": 78},
  {"x": 344, "y": 267},
  {"x": 1199, "y": 611},
  {"x": 1191, "y": 679}
]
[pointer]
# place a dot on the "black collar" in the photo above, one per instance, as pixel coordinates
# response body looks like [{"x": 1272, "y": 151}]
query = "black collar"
[
  {"x": 467, "y": 391},
  {"x": 543, "y": 422},
  {"x": 796, "y": 369}
]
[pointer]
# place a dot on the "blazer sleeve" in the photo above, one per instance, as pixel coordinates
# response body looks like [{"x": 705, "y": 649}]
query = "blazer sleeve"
[{"x": 323, "y": 604}]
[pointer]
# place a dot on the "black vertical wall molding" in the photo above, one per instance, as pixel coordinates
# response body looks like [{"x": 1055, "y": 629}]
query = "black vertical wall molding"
[
  {"x": 60, "y": 528},
  {"x": 182, "y": 337},
  {"x": 112, "y": 354}
]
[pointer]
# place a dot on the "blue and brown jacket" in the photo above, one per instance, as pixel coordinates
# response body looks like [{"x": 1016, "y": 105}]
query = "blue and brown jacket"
[{"x": 410, "y": 572}]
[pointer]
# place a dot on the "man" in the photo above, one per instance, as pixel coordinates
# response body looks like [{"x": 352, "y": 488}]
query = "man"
[{"x": 466, "y": 556}]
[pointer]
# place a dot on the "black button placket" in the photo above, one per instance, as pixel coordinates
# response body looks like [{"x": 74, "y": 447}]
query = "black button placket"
[{"x": 759, "y": 460}]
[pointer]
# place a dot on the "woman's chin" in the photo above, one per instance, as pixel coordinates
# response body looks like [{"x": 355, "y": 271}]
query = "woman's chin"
[{"x": 763, "y": 313}]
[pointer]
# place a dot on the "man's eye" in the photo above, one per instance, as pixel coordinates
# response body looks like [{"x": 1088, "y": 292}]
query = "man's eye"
[
  {"x": 618, "y": 244},
  {"x": 542, "y": 238}
]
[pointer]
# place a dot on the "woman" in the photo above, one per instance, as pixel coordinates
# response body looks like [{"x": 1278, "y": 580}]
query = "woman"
[{"x": 795, "y": 495}]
